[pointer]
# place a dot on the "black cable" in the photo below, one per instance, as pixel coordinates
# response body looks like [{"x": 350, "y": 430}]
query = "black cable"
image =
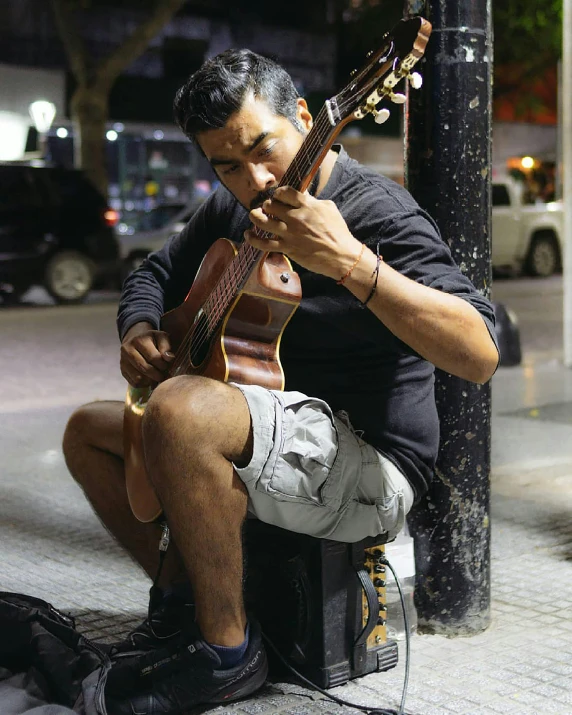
[
  {"x": 371, "y": 711},
  {"x": 385, "y": 562}
]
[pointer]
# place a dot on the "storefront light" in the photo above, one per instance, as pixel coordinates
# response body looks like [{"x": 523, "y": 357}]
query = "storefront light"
[
  {"x": 527, "y": 162},
  {"x": 158, "y": 135},
  {"x": 42, "y": 113},
  {"x": 62, "y": 132},
  {"x": 111, "y": 135}
]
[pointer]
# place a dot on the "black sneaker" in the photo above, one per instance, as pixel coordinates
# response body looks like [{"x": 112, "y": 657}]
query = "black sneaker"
[
  {"x": 169, "y": 681},
  {"x": 163, "y": 626}
]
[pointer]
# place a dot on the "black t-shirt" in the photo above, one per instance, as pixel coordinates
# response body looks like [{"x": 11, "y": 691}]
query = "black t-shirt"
[{"x": 333, "y": 348}]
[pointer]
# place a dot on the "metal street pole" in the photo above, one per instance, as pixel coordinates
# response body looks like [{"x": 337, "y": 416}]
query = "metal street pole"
[
  {"x": 448, "y": 171},
  {"x": 566, "y": 139}
]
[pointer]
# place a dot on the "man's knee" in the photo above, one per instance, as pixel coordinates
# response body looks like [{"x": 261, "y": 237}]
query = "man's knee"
[
  {"x": 198, "y": 410},
  {"x": 183, "y": 403},
  {"x": 78, "y": 429},
  {"x": 94, "y": 425}
]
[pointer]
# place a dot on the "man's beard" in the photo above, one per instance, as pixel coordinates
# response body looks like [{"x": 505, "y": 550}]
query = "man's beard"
[{"x": 261, "y": 197}]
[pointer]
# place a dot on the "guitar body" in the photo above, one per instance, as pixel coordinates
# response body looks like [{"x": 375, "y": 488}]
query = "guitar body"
[{"x": 243, "y": 349}]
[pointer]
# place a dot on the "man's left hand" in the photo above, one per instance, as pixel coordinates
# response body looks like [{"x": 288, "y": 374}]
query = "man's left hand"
[{"x": 311, "y": 231}]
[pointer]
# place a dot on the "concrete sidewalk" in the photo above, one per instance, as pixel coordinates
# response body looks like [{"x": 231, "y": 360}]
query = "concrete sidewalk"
[{"x": 54, "y": 548}]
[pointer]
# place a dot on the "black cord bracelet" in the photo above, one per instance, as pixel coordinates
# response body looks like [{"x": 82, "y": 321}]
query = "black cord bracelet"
[{"x": 374, "y": 286}]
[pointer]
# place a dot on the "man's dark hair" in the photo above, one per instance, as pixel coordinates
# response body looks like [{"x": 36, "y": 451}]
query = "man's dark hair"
[{"x": 218, "y": 89}]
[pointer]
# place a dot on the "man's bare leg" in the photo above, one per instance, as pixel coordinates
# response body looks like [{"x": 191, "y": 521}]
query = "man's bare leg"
[
  {"x": 93, "y": 448},
  {"x": 194, "y": 428}
]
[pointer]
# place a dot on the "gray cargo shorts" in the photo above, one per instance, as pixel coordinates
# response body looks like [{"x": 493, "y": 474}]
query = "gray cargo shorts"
[{"x": 311, "y": 473}]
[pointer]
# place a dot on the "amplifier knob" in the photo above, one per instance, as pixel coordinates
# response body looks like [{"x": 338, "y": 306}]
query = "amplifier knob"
[{"x": 379, "y": 583}]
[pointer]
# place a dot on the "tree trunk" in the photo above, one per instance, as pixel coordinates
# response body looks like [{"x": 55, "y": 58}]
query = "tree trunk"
[
  {"x": 90, "y": 102},
  {"x": 89, "y": 110}
]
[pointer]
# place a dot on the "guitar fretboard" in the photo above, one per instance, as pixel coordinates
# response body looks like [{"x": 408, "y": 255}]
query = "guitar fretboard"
[{"x": 247, "y": 257}]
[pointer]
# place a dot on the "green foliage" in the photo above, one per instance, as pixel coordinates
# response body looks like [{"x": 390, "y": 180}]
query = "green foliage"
[
  {"x": 527, "y": 48},
  {"x": 528, "y": 32}
]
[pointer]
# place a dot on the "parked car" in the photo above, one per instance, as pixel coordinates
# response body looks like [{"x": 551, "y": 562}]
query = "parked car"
[
  {"x": 56, "y": 230},
  {"x": 525, "y": 237},
  {"x": 152, "y": 230}
]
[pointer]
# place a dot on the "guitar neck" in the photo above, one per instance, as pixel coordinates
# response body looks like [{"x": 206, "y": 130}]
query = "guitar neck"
[
  {"x": 314, "y": 148},
  {"x": 299, "y": 175}
]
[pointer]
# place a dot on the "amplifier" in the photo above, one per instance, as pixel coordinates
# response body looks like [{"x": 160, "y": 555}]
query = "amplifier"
[{"x": 320, "y": 602}]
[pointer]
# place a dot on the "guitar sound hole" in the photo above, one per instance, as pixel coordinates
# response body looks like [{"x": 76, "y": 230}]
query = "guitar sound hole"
[{"x": 200, "y": 342}]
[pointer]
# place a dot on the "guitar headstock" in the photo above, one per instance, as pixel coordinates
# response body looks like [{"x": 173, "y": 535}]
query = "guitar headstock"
[{"x": 402, "y": 48}]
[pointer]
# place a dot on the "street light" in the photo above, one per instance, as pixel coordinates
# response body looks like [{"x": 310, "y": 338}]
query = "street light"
[{"x": 42, "y": 113}]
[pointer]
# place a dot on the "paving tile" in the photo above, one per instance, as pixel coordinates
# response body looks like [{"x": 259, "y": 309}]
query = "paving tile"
[{"x": 547, "y": 690}]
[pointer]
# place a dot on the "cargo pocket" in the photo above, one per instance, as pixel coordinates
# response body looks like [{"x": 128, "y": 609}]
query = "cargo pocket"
[{"x": 307, "y": 455}]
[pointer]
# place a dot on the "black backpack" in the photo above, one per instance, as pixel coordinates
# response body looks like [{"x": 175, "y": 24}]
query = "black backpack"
[{"x": 46, "y": 666}]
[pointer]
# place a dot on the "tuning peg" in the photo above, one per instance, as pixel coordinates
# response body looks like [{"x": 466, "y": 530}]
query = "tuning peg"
[
  {"x": 415, "y": 80},
  {"x": 369, "y": 54},
  {"x": 398, "y": 98},
  {"x": 353, "y": 73},
  {"x": 382, "y": 116}
]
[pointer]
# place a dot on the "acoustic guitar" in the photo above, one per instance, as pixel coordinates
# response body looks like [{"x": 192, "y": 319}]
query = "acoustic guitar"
[{"x": 230, "y": 324}]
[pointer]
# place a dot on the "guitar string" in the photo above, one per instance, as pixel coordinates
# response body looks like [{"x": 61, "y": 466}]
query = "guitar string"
[
  {"x": 218, "y": 300},
  {"x": 240, "y": 261},
  {"x": 215, "y": 311},
  {"x": 246, "y": 257},
  {"x": 342, "y": 104},
  {"x": 214, "y": 307}
]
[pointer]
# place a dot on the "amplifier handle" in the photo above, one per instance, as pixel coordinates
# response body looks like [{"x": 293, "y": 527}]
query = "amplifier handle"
[{"x": 360, "y": 645}]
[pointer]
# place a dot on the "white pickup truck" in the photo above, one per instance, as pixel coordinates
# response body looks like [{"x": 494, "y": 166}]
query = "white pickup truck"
[{"x": 525, "y": 237}]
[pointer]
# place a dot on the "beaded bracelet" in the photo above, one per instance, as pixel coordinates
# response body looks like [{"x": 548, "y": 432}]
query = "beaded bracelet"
[{"x": 357, "y": 260}]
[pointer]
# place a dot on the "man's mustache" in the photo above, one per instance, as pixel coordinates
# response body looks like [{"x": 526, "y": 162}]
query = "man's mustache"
[{"x": 261, "y": 197}]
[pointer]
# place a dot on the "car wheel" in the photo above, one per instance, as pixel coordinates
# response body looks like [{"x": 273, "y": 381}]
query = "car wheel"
[
  {"x": 69, "y": 277},
  {"x": 544, "y": 256}
]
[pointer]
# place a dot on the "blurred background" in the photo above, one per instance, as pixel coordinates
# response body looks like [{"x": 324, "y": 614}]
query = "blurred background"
[{"x": 90, "y": 84}]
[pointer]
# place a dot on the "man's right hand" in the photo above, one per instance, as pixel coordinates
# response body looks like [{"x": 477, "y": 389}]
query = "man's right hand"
[{"x": 145, "y": 355}]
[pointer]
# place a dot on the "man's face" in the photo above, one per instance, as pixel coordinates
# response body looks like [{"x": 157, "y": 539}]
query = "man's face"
[{"x": 251, "y": 153}]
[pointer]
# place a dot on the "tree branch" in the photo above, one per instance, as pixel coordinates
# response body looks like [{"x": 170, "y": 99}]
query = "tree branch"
[
  {"x": 127, "y": 53},
  {"x": 71, "y": 39}
]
